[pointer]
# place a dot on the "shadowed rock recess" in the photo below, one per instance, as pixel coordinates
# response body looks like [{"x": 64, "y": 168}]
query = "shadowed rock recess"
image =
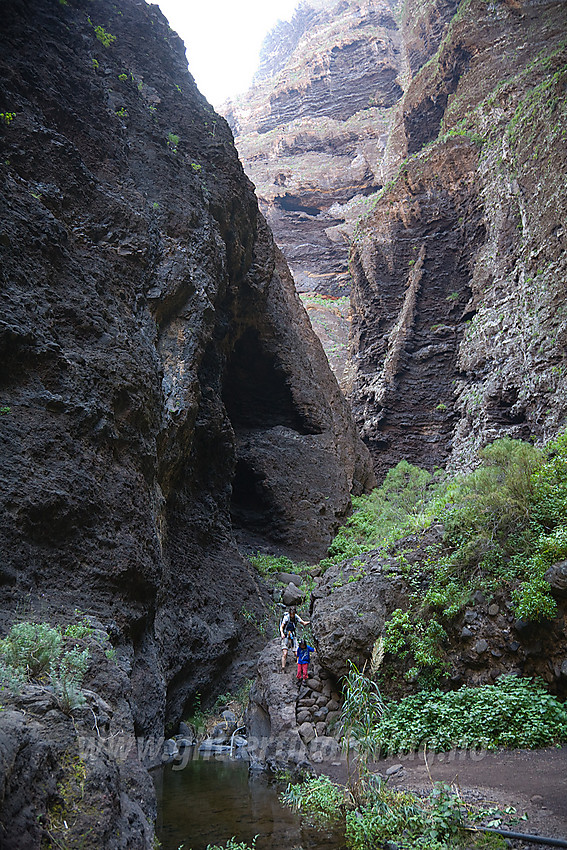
[{"x": 162, "y": 392}]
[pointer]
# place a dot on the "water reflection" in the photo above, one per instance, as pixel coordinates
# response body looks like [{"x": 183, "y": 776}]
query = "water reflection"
[{"x": 211, "y": 800}]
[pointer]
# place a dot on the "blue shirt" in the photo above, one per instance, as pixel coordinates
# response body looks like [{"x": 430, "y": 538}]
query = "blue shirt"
[{"x": 303, "y": 654}]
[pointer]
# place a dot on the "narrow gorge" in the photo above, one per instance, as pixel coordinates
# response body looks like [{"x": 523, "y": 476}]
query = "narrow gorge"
[{"x": 168, "y": 414}]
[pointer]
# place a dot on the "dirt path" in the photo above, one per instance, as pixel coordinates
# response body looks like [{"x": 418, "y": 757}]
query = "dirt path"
[{"x": 532, "y": 781}]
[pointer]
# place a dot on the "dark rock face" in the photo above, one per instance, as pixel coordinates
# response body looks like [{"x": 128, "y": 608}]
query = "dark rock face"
[
  {"x": 407, "y": 336},
  {"x": 556, "y": 575},
  {"x": 476, "y": 354},
  {"x": 63, "y": 778},
  {"x": 159, "y": 379},
  {"x": 349, "y": 609}
]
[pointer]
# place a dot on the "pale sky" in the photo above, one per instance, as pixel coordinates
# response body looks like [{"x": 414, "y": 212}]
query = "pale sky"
[{"x": 223, "y": 39}]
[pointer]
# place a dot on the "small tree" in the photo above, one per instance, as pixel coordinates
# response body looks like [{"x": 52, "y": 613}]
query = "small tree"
[{"x": 361, "y": 712}]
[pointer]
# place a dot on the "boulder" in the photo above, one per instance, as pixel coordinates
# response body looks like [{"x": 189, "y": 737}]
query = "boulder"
[
  {"x": 394, "y": 769},
  {"x": 288, "y": 578},
  {"x": 556, "y": 576},
  {"x": 187, "y": 731},
  {"x": 274, "y": 741},
  {"x": 323, "y": 748},
  {"x": 307, "y": 732},
  {"x": 348, "y": 616},
  {"x": 292, "y": 595},
  {"x": 221, "y": 733},
  {"x": 170, "y": 749}
]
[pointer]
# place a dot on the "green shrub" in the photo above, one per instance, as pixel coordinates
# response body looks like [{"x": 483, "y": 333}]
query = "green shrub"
[
  {"x": 31, "y": 648},
  {"x": 172, "y": 141},
  {"x": 78, "y": 630},
  {"x": 533, "y": 600},
  {"x": 268, "y": 564},
  {"x": 492, "y": 504},
  {"x": 512, "y": 713},
  {"x": 11, "y": 679},
  {"x": 504, "y": 524},
  {"x": 34, "y": 652},
  {"x": 404, "y": 502},
  {"x": 436, "y": 821},
  {"x": 67, "y": 677},
  {"x": 423, "y": 640},
  {"x": 104, "y": 37},
  {"x": 318, "y": 797}
]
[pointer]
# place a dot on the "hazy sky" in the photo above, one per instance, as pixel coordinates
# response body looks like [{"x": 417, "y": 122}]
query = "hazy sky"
[{"x": 223, "y": 39}]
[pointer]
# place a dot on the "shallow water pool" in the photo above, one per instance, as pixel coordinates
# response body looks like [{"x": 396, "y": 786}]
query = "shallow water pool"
[{"x": 212, "y": 800}]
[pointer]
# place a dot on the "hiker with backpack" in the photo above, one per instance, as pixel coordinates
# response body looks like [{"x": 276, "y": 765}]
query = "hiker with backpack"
[{"x": 288, "y": 632}]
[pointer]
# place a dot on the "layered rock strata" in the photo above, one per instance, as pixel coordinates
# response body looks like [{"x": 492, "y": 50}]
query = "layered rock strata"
[
  {"x": 466, "y": 150},
  {"x": 311, "y": 133},
  {"x": 476, "y": 157},
  {"x": 161, "y": 390}
]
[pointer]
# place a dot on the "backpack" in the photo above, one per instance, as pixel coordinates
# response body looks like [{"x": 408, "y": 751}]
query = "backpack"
[{"x": 289, "y": 626}]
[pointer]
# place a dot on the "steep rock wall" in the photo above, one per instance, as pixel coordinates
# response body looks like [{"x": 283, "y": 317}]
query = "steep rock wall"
[
  {"x": 468, "y": 161},
  {"x": 477, "y": 165},
  {"x": 160, "y": 384}
]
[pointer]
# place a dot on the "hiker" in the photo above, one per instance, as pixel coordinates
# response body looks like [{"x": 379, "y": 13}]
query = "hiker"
[
  {"x": 303, "y": 654},
  {"x": 288, "y": 629}
]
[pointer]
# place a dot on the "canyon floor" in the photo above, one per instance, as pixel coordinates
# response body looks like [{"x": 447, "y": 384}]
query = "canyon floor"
[{"x": 534, "y": 782}]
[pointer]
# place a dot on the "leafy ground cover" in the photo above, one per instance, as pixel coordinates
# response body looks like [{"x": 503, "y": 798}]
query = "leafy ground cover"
[
  {"x": 514, "y": 712},
  {"x": 511, "y": 713}
]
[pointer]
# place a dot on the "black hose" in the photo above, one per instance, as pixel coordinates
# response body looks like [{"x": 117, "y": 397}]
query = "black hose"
[{"x": 521, "y": 836}]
